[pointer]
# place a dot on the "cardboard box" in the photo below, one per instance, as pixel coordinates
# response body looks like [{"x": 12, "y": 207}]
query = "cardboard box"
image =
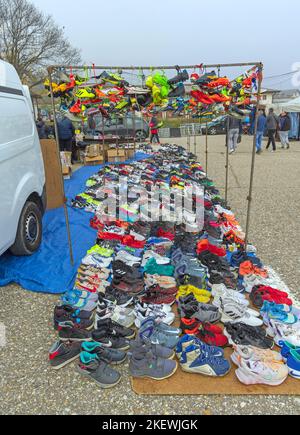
[
  {"x": 93, "y": 150},
  {"x": 93, "y": 161},
  {"x": 66, "y": 162}
]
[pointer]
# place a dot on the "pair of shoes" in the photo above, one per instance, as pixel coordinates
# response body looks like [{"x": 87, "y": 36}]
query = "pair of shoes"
[
  {"x": 64, "y": 315},
  {"x": 151, "y": 361},
  {"x": 280, "y": 313},
  {"x": 111, "y": 335},
  {"x": 190, "y": 308},
  {"x": 204, "y": 360},
  {"x": 209, "y": 334},
  {"x": 155, "y": 312},
  {"x": 108, "y": 310},
  {"x": 259, "y": 368},
  {"x": 262, "y": 293},
  {"x": 202, "y": 296},
  {"x": 156, "y": 332},
  {"x": 235, "y": 312},
  {"x": 245, "y": 335}
]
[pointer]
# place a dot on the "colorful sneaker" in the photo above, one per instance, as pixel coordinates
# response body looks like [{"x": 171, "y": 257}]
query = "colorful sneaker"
[
  {"x": 287, "y": 348},
  {"x": 190, "y": 340},
  {"x": 293, "y": 364},
  {"x": 194, "y": 360},
  {"x": 254, "y": 354}
]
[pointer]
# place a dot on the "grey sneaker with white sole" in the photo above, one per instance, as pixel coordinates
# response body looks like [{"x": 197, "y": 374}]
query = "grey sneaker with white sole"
[{"x": 98, "y": 371}]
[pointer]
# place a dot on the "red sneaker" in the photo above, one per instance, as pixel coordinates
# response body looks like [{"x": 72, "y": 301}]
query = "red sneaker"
[{"x": 212, "y": 339}]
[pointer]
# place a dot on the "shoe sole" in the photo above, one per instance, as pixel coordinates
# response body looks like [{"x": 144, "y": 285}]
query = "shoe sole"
[
  {"x": 64, "y": 364},
  {"x": 196, "y": 372},
  {"x": 158, "y": 379},
  {"x": 247, "y": 380}
]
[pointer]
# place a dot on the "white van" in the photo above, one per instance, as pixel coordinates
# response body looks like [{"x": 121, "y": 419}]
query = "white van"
[{"x": 22, "y": 175}]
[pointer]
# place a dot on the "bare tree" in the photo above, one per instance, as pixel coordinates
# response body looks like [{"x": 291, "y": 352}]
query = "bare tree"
[{"x": 31, "y": 40}]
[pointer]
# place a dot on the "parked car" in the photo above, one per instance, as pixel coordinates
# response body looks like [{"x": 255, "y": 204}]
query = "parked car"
[
  {"x": 122, "y": 127},
  {"x": 218, "y": 126},
  {"x": 22, "y": 188}
]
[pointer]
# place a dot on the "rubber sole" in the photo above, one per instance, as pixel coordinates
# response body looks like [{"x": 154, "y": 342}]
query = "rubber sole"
[
  {"x": 64, "y": 364},
  {"x": 195, "y": 372},
  {"x": 158, "y": 379},
  {"x": 247, "y": 380}
]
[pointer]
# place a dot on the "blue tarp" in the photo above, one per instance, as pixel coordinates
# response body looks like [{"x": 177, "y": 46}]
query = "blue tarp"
[{"x": 49, "y": 270}]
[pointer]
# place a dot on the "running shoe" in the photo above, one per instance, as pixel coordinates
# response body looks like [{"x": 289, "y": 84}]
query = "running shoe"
[
  {"x": 97, "y": 370},
  {"x": 195, "y": 360}
]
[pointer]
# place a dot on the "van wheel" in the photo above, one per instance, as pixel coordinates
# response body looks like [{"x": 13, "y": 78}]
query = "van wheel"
[
  {"x": 30, "y": 229},
  {"x": 140, "y": 135}
]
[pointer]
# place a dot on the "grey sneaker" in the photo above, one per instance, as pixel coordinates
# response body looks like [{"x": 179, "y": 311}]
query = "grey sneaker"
[
  {"x": 110, "y": 356},
  {"x": 156, "y": 336},
  {"x": 147, "y": 365},
  {"x": 155, "y": 322},
  {"x": 97, "y": 370},
  {"x": 141, "y": 345}
]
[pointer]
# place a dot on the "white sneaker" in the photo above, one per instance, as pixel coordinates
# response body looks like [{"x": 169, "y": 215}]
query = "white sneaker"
[
  {"x": 282, "y": 333},
  {"x": 265, "y": 373},
  {"x": 141, "y": 316},
  {"x": 220, "y": 290},
  {"x": 164, "y": 261},
  {"x": 219, "y": 302},
  {"x": 117, "y": 316},
  {"x": 251, "y": 353},
  {"x": 233, "y": 313},
  {"x": 97, "y": 261}
]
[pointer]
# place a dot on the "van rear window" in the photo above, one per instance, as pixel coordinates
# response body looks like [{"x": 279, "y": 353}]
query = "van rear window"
[{"x": 15, "y": 120}]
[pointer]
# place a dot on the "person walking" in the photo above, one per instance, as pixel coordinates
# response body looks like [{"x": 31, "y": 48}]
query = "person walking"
[
  {"x": 261, "y": 126},
  {"x": 66, "y": 132},
  {"x": 272, "y": 124},
  {"x": 42, "y": 129},
  {"x": 234, "y": 133},
  {"x": 285, "y": 125},
  {"x": 154, "y": 131}
]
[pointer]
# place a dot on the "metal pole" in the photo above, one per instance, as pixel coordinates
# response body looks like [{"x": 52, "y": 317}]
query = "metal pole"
[
  {"x": 249, "y": 199},
  {"x": 103, "y": 140},
  {"x": 150, "y": 68},
  {"x": 134, "y": 132},
  {"x": 206, "y": 147},
  {"x": 227, "y": 161},
  {"x": 61, "y": 170}
]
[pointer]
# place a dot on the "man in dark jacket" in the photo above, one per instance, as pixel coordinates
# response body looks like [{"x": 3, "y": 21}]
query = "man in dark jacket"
[
  {"x": 42, "y": 129},
  {"x": 66, "y": 132},
  {"x": 272, "y": 124},
  {"x": 285, "y": 125},
  {"x": 235, "y": 131}
]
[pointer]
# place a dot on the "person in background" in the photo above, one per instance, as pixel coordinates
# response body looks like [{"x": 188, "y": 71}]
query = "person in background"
[
  {"x": 42, "y": 128},
  {"x": 92, "y": 125},
  {"x": 235, "y": 131},
  {"x": 285, "y": 126},
  {"x": 272, "y": 124},
  {"x": 66, "y": 132},
  {"x": 261, "y": 126},
  {"x": 154, "y": 130}
]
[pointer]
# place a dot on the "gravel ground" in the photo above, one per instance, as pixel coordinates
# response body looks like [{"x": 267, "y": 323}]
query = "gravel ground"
[{"x": 28, "y": 386}]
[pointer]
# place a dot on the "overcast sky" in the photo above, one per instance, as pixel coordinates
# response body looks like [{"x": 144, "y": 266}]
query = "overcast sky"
[{"x": 154, "y": 32}]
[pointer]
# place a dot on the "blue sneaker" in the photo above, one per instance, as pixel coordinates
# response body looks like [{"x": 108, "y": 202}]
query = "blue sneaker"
[
  {"x": 287, "y": 348},
  {"x": 190, "y": 340},
  {"x": 269, "y": 306},
  {"x": 293, "y": 363},
  {"x": 281, "y": 316},
  {"x": 193, "y": 360}
]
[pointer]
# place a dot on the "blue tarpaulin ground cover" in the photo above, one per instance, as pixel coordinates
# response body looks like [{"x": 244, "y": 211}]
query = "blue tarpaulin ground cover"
[{"x": 49, "y": 270}]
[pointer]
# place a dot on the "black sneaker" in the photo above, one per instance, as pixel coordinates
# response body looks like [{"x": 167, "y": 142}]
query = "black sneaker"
[
  {"x": 76, "y": 314},
  {"x": 244, "y": 335},
  {"x": 70, "y": 332},
  {"x": 61, "y": 316},
  {"x": 117, "y": 297},
  {"x": 62, "y": 354},
  {"x": 116, "y": 329},
  {"x": 109, "y": 340}
]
